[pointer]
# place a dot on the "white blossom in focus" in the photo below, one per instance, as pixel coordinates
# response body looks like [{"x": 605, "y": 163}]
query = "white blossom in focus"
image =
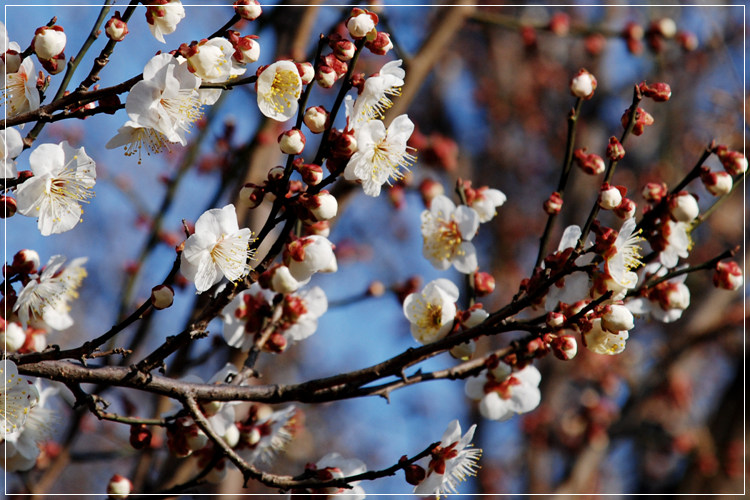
[
  {"x": 63, "y": 179},
  {"x": 279, "y": 87},
  {"x": 601, "y": 341},
  {"x": 20, "y": 93},
  {"x": 381, "y": 154},
  {"x": 503, "y": 394},
  {"x": 163, "y": 16},
  {"x": 624, "y": 256},
  {"x": 309, "y": 255},
  {"x": 432, "y": 311},
  {"x": 452, "y": 463},
  {"x": 218, "y": 248},
  {"x": 375, "y": 98},
  {"x": 22, "y": 448},
  {"x": 447, "y": 231}
]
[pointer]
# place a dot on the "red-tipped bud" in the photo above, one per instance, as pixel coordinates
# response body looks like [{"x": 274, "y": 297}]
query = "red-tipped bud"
[
  {"x": 554, "y": 203},
  {"x": 733, "y": 162},
  {"x": 252, "y": 193},
  {"x": 322, "y": 228},
  {"x": 591, "y": 164},
  {"x": 48, "y": 42},
  {"x": 626, "y": 209},
  {"x": 162, "y": 296},
  {"x": 326, "y": 77},
  {"x": 311, "y": 174},
  {"x": 248, "y": 9},
  {"x": 292, "y": 142},
  {"x": 659, "y": 92},
  {"x": 381, "y": 44},
  {"x": 642, "y": 120},
  {"x": 484, "y": 283},
  {"x": 55, "y": 64},
  {"x": 8, "y": 207},
  {"x": 429, "y": 188},
  {"x": 344, "y": 50},
  {"x": 119, "y": 487},
  {"x": 140, "y": 436},
  {"x": 555, "y": 320},
  {"x": 683, "y": 207},
  {"x": 26, "y": 261},
  {"x": 344, "y": 144},
  {"x": 717, "y": 183},
  {"x": 361, "y": 23},
  {"x": 583, "y": 84},
  {"x": 318, "y": 207},
  {"x": 654, "y": 191},
  {"x": 559, "y": 24},
  {"x": 414, "y": 473},
  {"x": 610, "y": 197},
  {"x": 564, "y": 347},
  {"x": 340, "y": 67},
  {"x": 316, "y": 119},
  {"x": 116, "y": 28},
  {"x": 306, "y": 72},
  {"x": 728, "y": 275},
  {"x": 615, "y": 150}
]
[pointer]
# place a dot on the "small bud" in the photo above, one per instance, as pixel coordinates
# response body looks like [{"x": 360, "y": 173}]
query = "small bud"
[
  {"x": 162, "y": 296},
  {"x": 615, "y": 150},
  {"x": 232, "y": 436},
  {"x": 252, "y": 193},
  {"x": 376, "y": 289},
  {"x": 246, "y": 49},
  {"x": 54, "y": 65},
  {"x": 666, "y": 27},
  {"x": 610, "y": 197},
  {"x": 683, "y": 207},
  {"x": 251, "y": 436},
  {"x": 554, "y": 203},
  {"x": 654, "y": 191},
  {"x": 119, "y": 487},
  {"x": 13, "y": 337},
  {"x": 326, "y": 77},
  {"x": 733, "y": 162},
  {"x": 318, "y": 207},
  {"x": 429, "y": 188},
  {"x": 277, "y": 343},
  {"x": 344, "y": 144},
  {"x": 361, "y": 22},
  {"x": 626, "y": 209},
  {"x": 559, "y": 24},
  {"x": 591, "y": 164},
  {"x": 140, "y": 436},
  {"x": 344, "y": 50},
  {"x": 9, "y": 207},
  {"x": 414, "y": 473},
  {"x": 633, "y": 31},
  {"x": 728, "y": 275},
  {"x": 555, "y": 320},
  {"x": 717, "y": 183},
  {"x": 26, "y": 261},
  {"x": 617, "y": 318},
  {"x": 484, "y": 283},
  {"x": 316, "y": 119},
  {"x": 687, "y": 40},
  {"x": 248, "y": 9},
  {"x": 292, "y": 142},
  {"x": 564, "y": 347},
  {"x": 464, "y": 351},
  {"x": 48, "y": 42},
  {"x": 306, "y": 72},
  {"x": 659, "y": 92},
  {"x": 312, "y": 174},
  {"x": 642, "y": 120},
  {"x": 381, "y": 44},
  {"x": 116, "y": 28},
  {"x": 583, "y": 85}
]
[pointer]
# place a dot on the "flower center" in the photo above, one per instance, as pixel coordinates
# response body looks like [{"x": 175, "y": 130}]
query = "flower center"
[
  {"x": 283, "y": 89},
  {"x": 184, "y": 109},
  {"x": 14, "y": 94},
  {"x": 153, "y": 140},
  {"x": 389, "y": 159}
]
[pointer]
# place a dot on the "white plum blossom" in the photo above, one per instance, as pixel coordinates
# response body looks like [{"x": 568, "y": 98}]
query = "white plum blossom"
[
  {"x": 63, "y": 179},
  {"x": 576, "y": 285},
  {"x": 218, "y": 248},
  {"x": 503, "y": 394},
  {"x": 665, "y": 301},
  {"x": 163, "y": 16},
  {"x": 20, "y": 93},
  {"x": 11, "y": 145},
  {"x": 279, "y": 87},
  {"x": 432, "y": 311},
  {"x": 43, "y": 301},
  {"x": 601, "y": 341},
  {"x": 212, "y": 62},
  {"x": 10, "y": 58},
  {"x": 447, "y": 231},
  {"x": 296, "y": 320},
  {"x": 451, "y": 463},
  {"x": 485, "y": 202},
  {"x": 624, "y": 256},
  {"x": 22, "y": 448},
  {"x": 677, "y": 236},
  {"x": 17, "y": 397},
  {"x": 309, "y": 255},
  {"x": 375, "y": 98},
  {"x": 334, "y": 466},
  {"x": 382, "y": 154},
  {"x": 166, "y": 100},
  {"x": 261, "y": 440},
  {"x": 12, "y": 337}
]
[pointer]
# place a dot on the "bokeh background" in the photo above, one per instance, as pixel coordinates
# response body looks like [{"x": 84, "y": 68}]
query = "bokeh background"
[{"x": 487, "y": 87}]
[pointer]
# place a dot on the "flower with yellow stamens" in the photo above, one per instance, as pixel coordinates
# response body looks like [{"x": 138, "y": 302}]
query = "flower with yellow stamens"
[
  {"x": 279, "y": 87},
  {"x": 432, "y": 311},
  {"x": 447, "y": 231}
]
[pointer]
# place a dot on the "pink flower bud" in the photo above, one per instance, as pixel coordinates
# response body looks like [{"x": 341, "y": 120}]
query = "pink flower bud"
[
  {"x": 687, "y": 40},
  {"x": 610, "y": 197},
  {"x": 554, "y": 203},
  {"x": 119, "y": 487},
  {"x": 140, "y": 436},
  {"x": 654, "y": 191},
  {"x": 316, "y": 119},
  {"x": 344, "y": 144},
  {"x": 361, "y": 22},
  {"x": 54, "y": 65},
  {"x": 414, "y": 473},
  {"x": 733, "y": 162},
  {"x": 484, "y": 283},
  {"x": 311, "y": 174},
  {"x": 583, "y": 84},
  {"x": 252, "y": 193},
  {"x": 116, "y": 28},
  {"x": 318, "y": 207},
  {"x": 344, "y": 50},
  {"x": 555, "y": 320},
  {"x": 642, "y": 120},
  {"x": 48, "y": 42},
  {"x": 559, "y": 24},
  {"x": 306, "y": 72},
  {"x": 591, "y": 164},
  {"x": 728, "y": 275},
  {"x": 683, "y": 207},
  {"x": 381, "y": 44},
  {"x": 615, "y": 150},
  {"x": 626, "y": 209},
  {"x": 248, "y": 9},
  {"x": 11, "y": 60},
  {"x": 26, "y": 261},
  {"x": 8, "y": 208},
  {"x": 162, "y": 296},
  {"x": 564, "y": 347},
  {"x": 246, "y": 49},
  {"x": 292, "y": 142},
  {"x": 717, "y": 183},
  {"x": 326, "y": 77},
  {"x": 659, "y": 92}
]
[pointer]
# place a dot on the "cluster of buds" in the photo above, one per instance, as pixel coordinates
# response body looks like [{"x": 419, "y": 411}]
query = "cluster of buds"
[
  {"x": 49, "y": 44},
  {"x": 591, "y": 164},
  {"x": 733, "y": 162},
  {"x": 246, "y": 49}
]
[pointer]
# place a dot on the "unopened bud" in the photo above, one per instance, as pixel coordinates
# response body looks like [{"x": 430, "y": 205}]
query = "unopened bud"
[
  {"x": 306, "y": 72},
  {"x": 316, "y": 119},
  {"x": 252, "y": 193},
  {"x": 583, "y": 84},
  {"x": 344, "y": 50},
  {"x": 683, "y": 207},
  {"x": 321, "y": 228},
  {"x": 381, "y": 44},
  {"x": 554, "y": 203},
  {"x": 667, "y": 27},
  {"x": 232, "y": 436},
  {"x": 246, "y": 49},
  {"x": 591, "y": 164},
  {"x": 728, "y": 275},
  {"x": 626, "y": 209},
  {"x": 48, "y": 42},
  {"x": 54, "y": 65},
  {"x": 654, "y": 191},
  {"x": 344, "y": 145},
  {"x": 361, "y": 22},
  {"x": 8, "y": 208},
  {"x": 733, "y": 162},
  {"x": 610, "y": 197},
  {"x": 276, "y": 343},
  {"x": 162, "y": 296},
  {"x": 555, "y": 320},
  {"x": 484, "y": 283},
  {"x": 376, "y": 289},
  {"x": 326, "y": 77},
  {"x": 617, "y": 318},
  {"x": 116, "y": 28},
  {"x": 615, "y": 150},
  {"x": 140, "y": 436},
  {"x": 414, "y": 473},
  {"x": 687, "y": 40},
  {"x": 251, "y": 436},
  {"x": 321, "y": 206},
  {"x": 248, "y": 9},
  {"x": 312, "y": 174},
  {"x": 659, "y": 92},
  {"x": 560, "y": 24},
  {"x": 717, "y": 183},
  {"x": 642, "y": 120},
  {"x": 564, "y": 347},
  {"x": 429, "y": 188},
  {"x": 119, "y": 487},
  {"x": 13, "y": 337},
  {"x": 292, "y": 142},
  {"x": 464, "y": 351},
  {"x": 26, "y": 261}
]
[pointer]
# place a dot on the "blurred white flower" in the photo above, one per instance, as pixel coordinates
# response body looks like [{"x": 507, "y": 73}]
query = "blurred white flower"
[
  {"x": 163, "y": 16},
  {"x": 17, "y": 397},
  {"x": 503, "y": 394},
  {"x": 11, "y": 145}
]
